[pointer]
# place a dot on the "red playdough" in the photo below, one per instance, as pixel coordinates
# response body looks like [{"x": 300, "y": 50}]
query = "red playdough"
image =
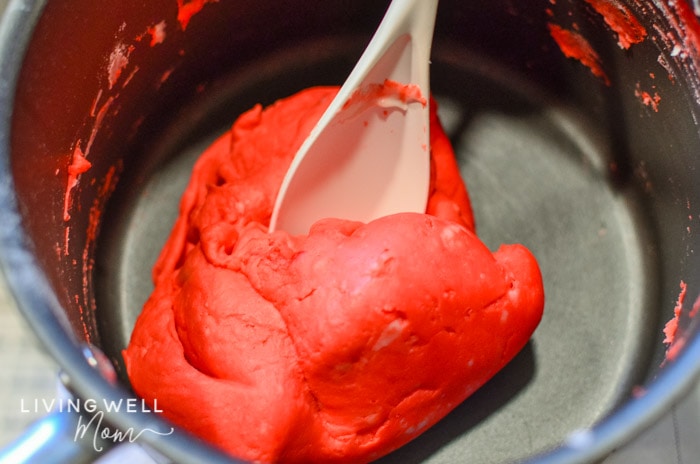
[{"x": 336, "y": 346}]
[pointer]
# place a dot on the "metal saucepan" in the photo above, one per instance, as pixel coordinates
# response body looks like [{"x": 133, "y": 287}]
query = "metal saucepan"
[{"x": 576, "y": 126}]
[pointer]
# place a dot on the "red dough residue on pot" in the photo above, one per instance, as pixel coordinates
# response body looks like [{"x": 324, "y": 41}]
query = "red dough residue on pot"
[
  {"x": 675, "y": 338},
  {"x": 574, "y": 45},
  {"x": 78, "y": 165},
  {"x": 336, "y": 346},
  {"x": 621, "y": 20},
  {"x": 673, "y": 342},
  {"x": 186, "y": 9},
  {"x": 652, "y": 101},
  {"x": 671, "y": 328},
  {"x": 156, "y": 33}
]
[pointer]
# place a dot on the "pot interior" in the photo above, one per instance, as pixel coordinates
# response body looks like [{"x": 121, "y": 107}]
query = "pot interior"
[{"x": 589, "y": 164}]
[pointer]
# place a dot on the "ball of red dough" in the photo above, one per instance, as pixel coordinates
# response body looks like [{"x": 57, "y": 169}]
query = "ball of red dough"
[{"x": 337, "y": 346}]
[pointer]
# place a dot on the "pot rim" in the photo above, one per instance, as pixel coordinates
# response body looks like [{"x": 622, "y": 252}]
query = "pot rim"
[{"x": 40, "y": 307}]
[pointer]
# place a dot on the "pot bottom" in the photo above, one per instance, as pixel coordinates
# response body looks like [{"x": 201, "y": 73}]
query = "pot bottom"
[{"x": 538, "y": 174}]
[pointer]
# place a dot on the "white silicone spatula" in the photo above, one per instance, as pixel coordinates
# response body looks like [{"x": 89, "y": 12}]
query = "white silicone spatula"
[{"x": 369, "y": 154}]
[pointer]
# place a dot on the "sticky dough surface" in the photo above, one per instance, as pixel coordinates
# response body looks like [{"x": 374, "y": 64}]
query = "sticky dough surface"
[{"x": 336, "y": 346}]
